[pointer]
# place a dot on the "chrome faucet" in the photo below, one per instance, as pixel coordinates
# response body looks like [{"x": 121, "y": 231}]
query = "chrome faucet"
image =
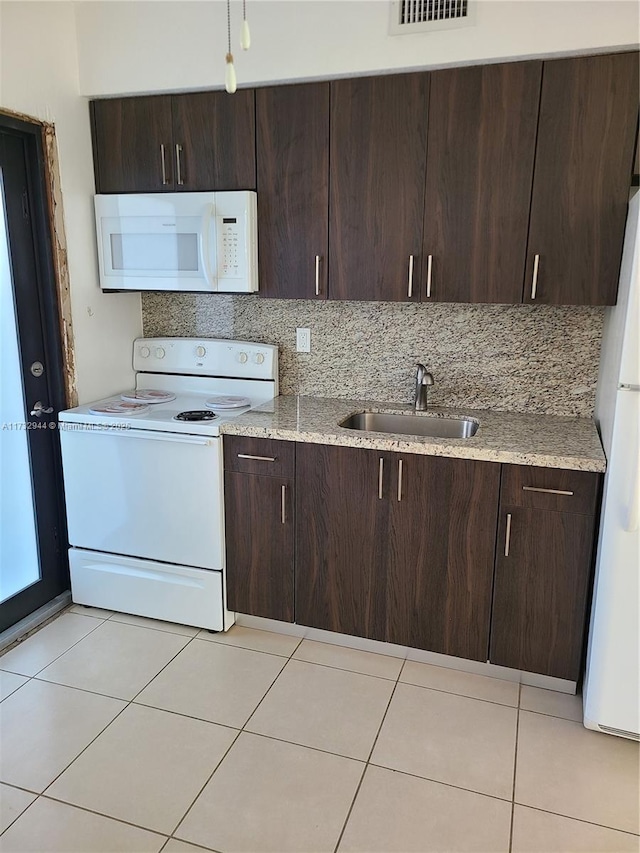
[{"x": 423, "y": 380}]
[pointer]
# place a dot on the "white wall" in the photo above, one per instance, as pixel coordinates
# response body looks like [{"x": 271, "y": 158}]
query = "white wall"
[
  {"x": 39, "y": 76},
  {"x": 127, "y": 47}
]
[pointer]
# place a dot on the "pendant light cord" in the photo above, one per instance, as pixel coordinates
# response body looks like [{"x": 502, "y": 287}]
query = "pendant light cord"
[{"x": 228, "y": 26}]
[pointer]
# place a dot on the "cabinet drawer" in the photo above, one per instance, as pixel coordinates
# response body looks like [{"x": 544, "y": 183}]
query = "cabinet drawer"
[
  {"x": 550, "y": 488},
  {"x": 259, "y": 456}
]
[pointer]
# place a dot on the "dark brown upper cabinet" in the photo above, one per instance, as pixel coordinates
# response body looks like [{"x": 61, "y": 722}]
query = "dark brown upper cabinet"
[
  {"x": 172, "y": 143},
  {"x": 481, "y": 145},
  {"x": 292, "y": 145},
  {"x": 587, "y": 126},
  {"x": 377, "y": 178},
  {"x": 133, "y": 144}
]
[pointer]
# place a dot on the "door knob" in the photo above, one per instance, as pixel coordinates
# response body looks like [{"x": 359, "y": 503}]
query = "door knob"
[{"x": 39, "y": 408}]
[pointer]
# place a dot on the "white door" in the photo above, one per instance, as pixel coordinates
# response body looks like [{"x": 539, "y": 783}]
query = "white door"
[{"x": 139, "y": 493}]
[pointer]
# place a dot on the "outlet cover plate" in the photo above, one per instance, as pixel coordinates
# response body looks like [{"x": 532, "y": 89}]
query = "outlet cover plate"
[{"x": 303, "y": 340}]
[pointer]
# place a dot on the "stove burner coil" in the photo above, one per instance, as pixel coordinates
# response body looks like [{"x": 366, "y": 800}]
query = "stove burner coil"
[{"x": 196, "y": 415}]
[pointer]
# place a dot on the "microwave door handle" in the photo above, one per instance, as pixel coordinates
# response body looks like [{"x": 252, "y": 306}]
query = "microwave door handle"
[{"x": 207, "y": 216}]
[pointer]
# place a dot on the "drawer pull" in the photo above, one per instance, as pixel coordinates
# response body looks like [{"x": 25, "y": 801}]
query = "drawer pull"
[
  {"x": 317, "y": 275},
  {"x": 399, "y": 479},
  {"x": 507, "y": 538},
  {"x": 380, "y": 475},
  {"x": 179, "y": 179},
  {"x": 547, "y": 491},
  {"x": 259, "y": 458},
  {"x": 283, "y": 505},
  {"x": 410, "y": 289}
]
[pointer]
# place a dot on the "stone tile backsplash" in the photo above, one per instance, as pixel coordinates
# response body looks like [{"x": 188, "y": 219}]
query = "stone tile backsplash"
[{"x": 516, "y": 358}]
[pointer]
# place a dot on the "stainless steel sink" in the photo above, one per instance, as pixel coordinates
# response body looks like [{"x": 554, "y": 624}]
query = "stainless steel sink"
[{"x": 412, "y": 424}]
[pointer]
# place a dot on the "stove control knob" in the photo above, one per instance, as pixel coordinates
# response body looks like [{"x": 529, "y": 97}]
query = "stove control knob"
[
  {"x": 159, "y": 353},
  {"x": 258, "y": 358},
  {"x": 145, "y": 352},
  {"x": 200, "y": 352},
  {"x": 242, "y": 357}
]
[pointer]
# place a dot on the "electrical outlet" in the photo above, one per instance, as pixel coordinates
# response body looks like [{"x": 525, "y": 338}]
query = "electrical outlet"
[{"x": 303, "y": 340}]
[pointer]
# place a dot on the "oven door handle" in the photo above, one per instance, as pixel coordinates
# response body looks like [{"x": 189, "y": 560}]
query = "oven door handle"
[{"x": 142, "y": 434}]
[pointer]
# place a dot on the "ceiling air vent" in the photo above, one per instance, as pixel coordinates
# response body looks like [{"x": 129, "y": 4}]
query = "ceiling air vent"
[{"x": 422, "y": 16}]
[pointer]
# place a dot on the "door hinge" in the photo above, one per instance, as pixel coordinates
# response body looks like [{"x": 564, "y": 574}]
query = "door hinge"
[{"x": 25, "y": 205}]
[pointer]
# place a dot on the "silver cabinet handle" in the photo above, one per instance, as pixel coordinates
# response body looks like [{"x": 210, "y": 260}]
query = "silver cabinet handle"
[
  {"x": 399, "y": 479},
  {"x": 410, "y": 291},
  {"x": 164, "y": 166},
  {"x": 547, "y": 491},
  {"x": 283, "y": 504},
  {"x": 179, "y": 180},
  {"x": 534, "y": 281},
  {"x": 380, "y": 475},
  {"x": 507, "y": 538},
  {"x": 429, "y": 272},
  {"x": 39, "y": 408},
  {"x": 259, "y": 458},
  {"x": 317, "y": 275}
]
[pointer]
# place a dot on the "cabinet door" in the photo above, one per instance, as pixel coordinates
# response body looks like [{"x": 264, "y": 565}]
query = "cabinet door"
[
  {"x": 214, "y": 138},
  {"x": 377, "y": 177},
  {"x": 341, "y": 539},
  {"x": 543, "y": 566},
  {"x": 588, "y": 118},
  {"x": 441, "y": 553},
  {"x": 259, "y": 526},
  {"x": 132, "y": 144},
  {"x": 292, "y": 124},
  {"x": 482, "y": 135}
]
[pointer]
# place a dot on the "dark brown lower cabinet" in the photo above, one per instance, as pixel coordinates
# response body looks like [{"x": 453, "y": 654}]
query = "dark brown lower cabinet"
[
  {"x": 440, "y": 555},
  {"x": 543, "y": 569},
  {"x": 341, "y": 531},
  {"x": 259, "y": 524},
  {"x": 396, "y": 548}
]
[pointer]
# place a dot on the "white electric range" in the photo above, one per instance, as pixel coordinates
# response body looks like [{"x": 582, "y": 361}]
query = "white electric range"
[{"x": 144, "y": 480}]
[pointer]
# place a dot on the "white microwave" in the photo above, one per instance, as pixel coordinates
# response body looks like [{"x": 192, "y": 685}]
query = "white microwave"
[{"x": 204, "y": 242}]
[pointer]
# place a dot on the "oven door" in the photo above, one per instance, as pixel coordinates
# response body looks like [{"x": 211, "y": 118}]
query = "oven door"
[{"x": 147, "y": 494}]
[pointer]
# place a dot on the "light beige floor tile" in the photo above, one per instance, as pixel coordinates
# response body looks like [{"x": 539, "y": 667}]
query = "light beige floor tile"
[
  {"x": 342, "y": 657},
  {"x": 273, "y": 797},
  {"x": 157, "y": 624},
  {"x": 146, "y": 768},
  {"x": 567, "y": 769},
  {"x": 449, "y": 738},
  {"x": 58, "y": 828},
  {"x": 214, "y": 682},
  {"x": 43, "y": 727},
  {"x": 541, "y": 832},
  {"x": 252, "y": 638},
  {"x": 551, "y": 702},
  {"x": 43, "y": 647},
  {"x": 96, "y": 612},
  {"x": 462, "y": 683},
  {"x": 116, "y": 659},
  {"x": 395, "y": 813},
  {"x": 325, "y": 708},
  {"x": 9, "y": 683},
  {"x": 12, "y": 803},
  {"x": 175, "y": 846}
]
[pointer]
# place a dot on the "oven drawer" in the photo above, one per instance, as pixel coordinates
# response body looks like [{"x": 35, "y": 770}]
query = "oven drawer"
[
  {"x": 145, "y": 588},
  {"x": 146, "y": 494},
  {"x": 550, "y": 488},
  {"x": 259, "y": 456}
]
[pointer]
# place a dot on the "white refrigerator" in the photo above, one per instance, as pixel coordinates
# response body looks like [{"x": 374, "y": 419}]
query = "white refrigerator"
[{"x": 612, "y": 680}]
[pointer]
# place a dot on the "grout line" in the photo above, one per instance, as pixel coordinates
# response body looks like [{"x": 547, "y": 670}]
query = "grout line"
[
  {"x": 244, "y": 648},
  {"x": 61, "y": 653},
  {"x": 441, "y": 782},
  {"x": 18, "y": 816},
  {"x": 579, "y": 820},
  {"x": 462, "y": 695},
  {"x": 367, "y": 763},
  {"x": 515, "y": 768},
  {"x": 344, "y": 669}
]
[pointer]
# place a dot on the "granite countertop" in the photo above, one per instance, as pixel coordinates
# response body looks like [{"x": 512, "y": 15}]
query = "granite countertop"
[{"x": 548, "y": 441}]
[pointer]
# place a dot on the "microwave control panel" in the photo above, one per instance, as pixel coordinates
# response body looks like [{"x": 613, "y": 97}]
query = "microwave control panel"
[{"x": 231, "y": 262}]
